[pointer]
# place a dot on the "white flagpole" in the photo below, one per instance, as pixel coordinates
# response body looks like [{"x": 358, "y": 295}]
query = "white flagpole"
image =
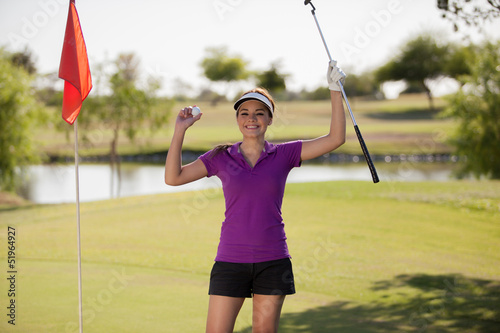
[{"x": 77, "y": 178}]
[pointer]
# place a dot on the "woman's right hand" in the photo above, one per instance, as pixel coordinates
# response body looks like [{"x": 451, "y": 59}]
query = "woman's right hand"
[
  {"x": 175, "y": 172},
  {"x": 185, "y": 119}
]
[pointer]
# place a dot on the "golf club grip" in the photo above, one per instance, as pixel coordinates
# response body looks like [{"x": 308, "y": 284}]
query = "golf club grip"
[{"x": 367, "y": 155}]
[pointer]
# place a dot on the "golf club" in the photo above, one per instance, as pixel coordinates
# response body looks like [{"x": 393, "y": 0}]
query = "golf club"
[{"x": 356, "y": 128}]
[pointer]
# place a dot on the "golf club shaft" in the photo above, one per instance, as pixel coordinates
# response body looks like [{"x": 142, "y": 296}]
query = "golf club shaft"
[
  {"x": 321, "y": 34},
  {"x": 368, "y": 158},
  {"x": 330, "y": 57}
]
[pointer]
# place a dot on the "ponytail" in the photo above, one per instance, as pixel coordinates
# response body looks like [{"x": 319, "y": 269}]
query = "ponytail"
[{"x": 219, "y": 149}]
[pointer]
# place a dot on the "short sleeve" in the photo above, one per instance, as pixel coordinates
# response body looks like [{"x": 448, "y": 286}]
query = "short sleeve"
[
  {"x": 208, "y": 160},
  {"x": 292, "y": 151}
]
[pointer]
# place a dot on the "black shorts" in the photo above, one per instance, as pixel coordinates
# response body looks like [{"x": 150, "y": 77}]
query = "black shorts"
[{"x": 242, "y": 280}]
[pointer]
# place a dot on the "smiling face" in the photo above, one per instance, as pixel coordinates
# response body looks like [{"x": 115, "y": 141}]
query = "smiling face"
[{"x": 253, "y": 118}]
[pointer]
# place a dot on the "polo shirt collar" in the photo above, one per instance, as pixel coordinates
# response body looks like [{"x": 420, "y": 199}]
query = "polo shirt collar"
[{"x": 269, "y": 148}]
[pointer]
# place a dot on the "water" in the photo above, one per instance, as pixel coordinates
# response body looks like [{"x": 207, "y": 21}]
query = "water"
[{"x": 47, "y": 184}]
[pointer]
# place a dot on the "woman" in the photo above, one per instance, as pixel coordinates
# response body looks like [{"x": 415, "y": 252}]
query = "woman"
[{"x": 252, "y": 257}]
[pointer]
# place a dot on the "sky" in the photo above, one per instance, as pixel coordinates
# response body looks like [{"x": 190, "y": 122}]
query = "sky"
[{"x": 170, "y": 37}]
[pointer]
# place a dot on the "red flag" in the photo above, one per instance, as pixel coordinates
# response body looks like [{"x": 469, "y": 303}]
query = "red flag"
[{"x": 74, "y": 67}]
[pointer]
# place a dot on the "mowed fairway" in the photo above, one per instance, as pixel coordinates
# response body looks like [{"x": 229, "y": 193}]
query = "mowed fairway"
[
  {"x": 390, "y": 257},
  {"x": 400, "y": 126}
]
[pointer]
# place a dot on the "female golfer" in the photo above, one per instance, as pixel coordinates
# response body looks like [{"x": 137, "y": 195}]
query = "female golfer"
[{"x": 252, "y": 258}]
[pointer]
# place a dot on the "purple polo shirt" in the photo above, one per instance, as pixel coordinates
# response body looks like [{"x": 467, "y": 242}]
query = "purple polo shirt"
[{"x": 253, "y": 230}]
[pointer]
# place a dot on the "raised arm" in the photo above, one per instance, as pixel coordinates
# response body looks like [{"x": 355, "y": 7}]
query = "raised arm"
[
  {"x": 336, "y": 137},
  {"x": 176, "y": 173}
]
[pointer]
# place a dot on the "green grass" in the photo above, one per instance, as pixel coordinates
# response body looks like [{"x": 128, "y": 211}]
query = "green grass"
[
  {"x": 403, "y": 125},
  {"x": 391, "y": 257}
]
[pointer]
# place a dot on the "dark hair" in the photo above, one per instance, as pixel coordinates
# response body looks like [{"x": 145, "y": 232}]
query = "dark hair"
[
  {"x": 224, "y": 147},
  {"x": 219, "y": 149},
  {"x": 264, "y": 92}
]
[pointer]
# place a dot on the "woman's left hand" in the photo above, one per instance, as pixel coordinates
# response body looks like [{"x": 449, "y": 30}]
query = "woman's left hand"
[{"x": 334, "y": 75}]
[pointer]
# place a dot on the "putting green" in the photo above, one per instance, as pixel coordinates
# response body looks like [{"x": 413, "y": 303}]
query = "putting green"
[{"x": 389, "y": 257}]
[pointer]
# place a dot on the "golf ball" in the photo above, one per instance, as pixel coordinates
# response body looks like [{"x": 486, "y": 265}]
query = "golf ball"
[{"x": 195, "y": 111}]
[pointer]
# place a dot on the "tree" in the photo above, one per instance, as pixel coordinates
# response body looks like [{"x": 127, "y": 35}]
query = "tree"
[
  {"x": 419, "y": 60},
  {"x": 128, "y": 109},
  {"x": 470, "y": 13},
  {"x": 361, "y": 85},
  {"x": 46, "y": 90},
  {"x": 272, "y": 80},
  {"x": 18, "y": 113},
  {"x": 320, "y": 93},
  {"x": 459, "y": 60},
  {"x": 477, "y": 107},
  {"x": 218, "y": 66},
  {"x": 25, "y": 60}
]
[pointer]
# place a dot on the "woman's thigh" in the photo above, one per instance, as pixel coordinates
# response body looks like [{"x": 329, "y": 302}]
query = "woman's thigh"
[
  {"x": 266, "y": 312},
  {"x": 222, "y": 313}
]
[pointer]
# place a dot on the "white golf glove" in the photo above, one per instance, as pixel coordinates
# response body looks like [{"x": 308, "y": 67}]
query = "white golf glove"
[{"x": 335, "y": 74}]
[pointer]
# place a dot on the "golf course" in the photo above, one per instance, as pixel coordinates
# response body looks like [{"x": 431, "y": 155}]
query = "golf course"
[{"x": 395, "y": 256}]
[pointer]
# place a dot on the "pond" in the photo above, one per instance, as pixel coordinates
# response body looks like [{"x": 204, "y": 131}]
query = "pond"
[{"x": 49, "y": 184}]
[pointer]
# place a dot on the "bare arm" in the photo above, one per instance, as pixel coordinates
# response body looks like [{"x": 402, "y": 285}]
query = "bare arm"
[
  {"x": 334, "y": 139},
  {"x": 176, "y": 173}
]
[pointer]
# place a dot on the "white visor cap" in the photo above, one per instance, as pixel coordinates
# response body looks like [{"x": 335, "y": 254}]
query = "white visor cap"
[{"x": 254, "y": 96}]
